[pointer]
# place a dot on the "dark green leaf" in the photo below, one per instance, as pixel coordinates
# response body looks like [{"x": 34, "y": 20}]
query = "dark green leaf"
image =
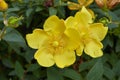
[
  {"x": 70, "y": 73},
  {"x": 96, "y": 72},
  {"x": 7, "y": 62},
  {"x": 117, "y": 48},
  {"x": 52, "y": 11},
  {"x": 109, "y": 73},
  {"x": 33, "y": 67},
  {"x": 14, "y": 39},
  {"x": 61, "y": 12},
  {"x": 13, "y": 35},
  {"x": 28, "y": 12},
  {"x": 54, "y": 74},
  {"x": 86, "y": 65},
  {"x": 19, "y": 70},
  {"x": 12, "y": 9},
  {"x": 116, "y": 68}
]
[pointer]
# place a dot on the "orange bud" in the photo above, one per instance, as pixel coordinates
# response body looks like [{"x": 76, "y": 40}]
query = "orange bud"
[
  {"x": 100, "y": 3},
  {"x": 112, "y": 3},
  {"x": 3, "y": 5},
  {"x": 108, "y": 4}
]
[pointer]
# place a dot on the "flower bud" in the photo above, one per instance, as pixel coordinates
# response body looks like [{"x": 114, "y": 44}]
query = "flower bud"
[
  {"x": 112, "y": 3},
  {"x": 101, "y": 3},
  {"x": 104, "y": 20},
  {"x": 107, "y": 4},
  {"x": 14, "y": 21},
  {"x": 3, "y": 5},
  {"x": 48, "y": 3}
]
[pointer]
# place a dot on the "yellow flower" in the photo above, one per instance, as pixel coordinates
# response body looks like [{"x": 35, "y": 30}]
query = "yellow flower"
[
  {"x": 91, "y": 34},
  {"x": 79, "y": 5},
  {"x": 55, "y": 43},
  {"x": 3, "y": 5}
]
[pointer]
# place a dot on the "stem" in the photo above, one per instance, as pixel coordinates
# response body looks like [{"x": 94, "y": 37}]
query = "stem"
[
  {"x": 2, "y": 32},
  {"x": 4, "y": 28}
]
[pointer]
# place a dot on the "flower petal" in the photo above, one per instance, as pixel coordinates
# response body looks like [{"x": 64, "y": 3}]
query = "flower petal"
[
  {"x": 54, "y": 24},
  {"x": 79, "y": 50},
  {"x": 92, "y": 13},
  {"x": 98, "y": 31},
  {"x": 64, "y": 59},
  {"x": 88, "y": 2},
  {"x": 82, "y": 2},
  {"x": 84, "y": 17},
  {"x": 70, "y": 22},
  {"x": 44, "y": 58},
  {"x": 73, "y": 38},
  {"x": 73, "y": 6},
  {"x": 36, "y": 39},
  {"x": 93, "y": 48}
]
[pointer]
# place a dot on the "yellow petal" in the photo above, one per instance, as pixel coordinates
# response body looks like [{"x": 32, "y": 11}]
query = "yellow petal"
[
  {"x": 44, "y": 58},
  {"x": 64, "y": 59},
  {"x": 73, "y": 37},
  {"x": 3, "y": 5},
  {"x": 98, "y": 31},
  {"x": 84, "y": 17},
  {"x": 73, "y": 6},
  {"x": 36, "y": 39},
  {"x": 92, "y": 13},
  {"x": 88, "y": 2},
  {"x": 82, "y": 2},
  {"x": 79, "y": 50},
  {"x": 76, "y": 23},
  {"x": 54, "y": 24},
  {"x": 93, "y": 49},
  {"x": 71, "y": 22}
]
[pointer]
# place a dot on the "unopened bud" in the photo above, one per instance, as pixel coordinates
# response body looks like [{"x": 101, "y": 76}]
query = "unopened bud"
[
  {"x": 14, "y": 21},
  {"x": 104, "y": 20},
  {"x": 100, "y": 3},
  {"x": 3, "y": 5},
  {"x": 48, "y": 3},
  {"x": 107, "y": 4},
  {"x": 112, "y": 3}
]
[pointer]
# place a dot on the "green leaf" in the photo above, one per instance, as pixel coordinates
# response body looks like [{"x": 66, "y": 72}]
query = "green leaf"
[
  {"x": 14, "y": 39},
  {"x": 56, "y": 2},
  {"x": 28, "y": 12},
  {"x": 13, "y": 35},
  {"x": 29, "y": 55},
  {"x": 108, "y": 41},
  {"x": 96, "y": 72},
  {"x": 116, "y": 68},
  {"x": 38, "y": 9},
  {"x": 70, "y": 73},
  {"x": 109, "y": 73},
  {"x": 61, "y": 12},
  {"x": 113, "y": 16},
  {"x": 117, "y": 47},
  {"x": 112, "y": 25},
  {"x": 54, "y": 74},
  {"x": 12, "y": 73},
  {"x": 13, "y": 9},
  {"x": 87, "y": 65},
  {"x": 52, "y": 11},
  {"x": 19, "y": 70},
  {"x": 33, "y": 67},
  {"x": 7, "y": 62}
]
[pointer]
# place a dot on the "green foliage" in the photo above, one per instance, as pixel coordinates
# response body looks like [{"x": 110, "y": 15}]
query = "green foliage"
[{"x": 17, "y": 59}]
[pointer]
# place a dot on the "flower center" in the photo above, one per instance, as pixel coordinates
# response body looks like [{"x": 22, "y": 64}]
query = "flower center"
[{"x": 55, "y": 44}]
